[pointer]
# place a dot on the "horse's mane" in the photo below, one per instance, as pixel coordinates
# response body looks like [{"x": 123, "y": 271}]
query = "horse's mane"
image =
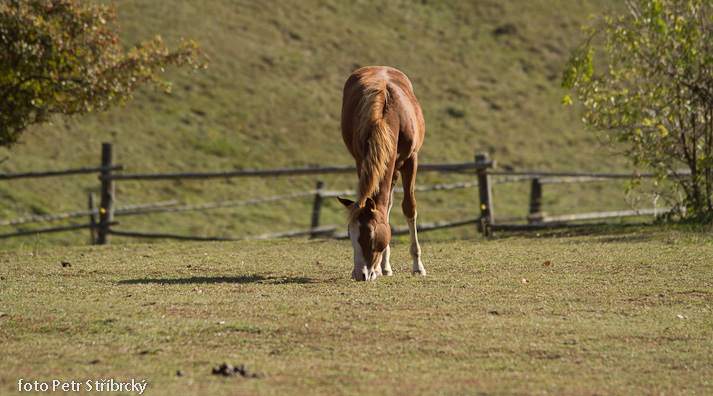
[{"x": 374, "y": 140}]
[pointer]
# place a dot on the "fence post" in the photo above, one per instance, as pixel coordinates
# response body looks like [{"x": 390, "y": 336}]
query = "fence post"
[
  {"x": 535, "y": 215},
  {"x": 317, "y": 208},
  {"x": 93, "y": 217},
  {"x": 106, "y": 214},
  {"x": 485, "y": 192}
]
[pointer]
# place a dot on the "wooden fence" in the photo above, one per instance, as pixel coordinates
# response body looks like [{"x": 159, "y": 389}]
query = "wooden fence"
[{"x": 102, "y": 217}]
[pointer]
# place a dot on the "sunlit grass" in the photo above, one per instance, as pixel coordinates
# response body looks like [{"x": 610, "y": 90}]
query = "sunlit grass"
[{"x": 604, "y": 312}]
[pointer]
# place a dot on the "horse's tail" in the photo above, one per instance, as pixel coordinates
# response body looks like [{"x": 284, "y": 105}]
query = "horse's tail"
[{"x": 375, "y": 138}]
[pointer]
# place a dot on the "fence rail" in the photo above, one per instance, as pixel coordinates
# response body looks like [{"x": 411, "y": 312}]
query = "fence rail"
[
  {"x": 68, "y": 172},
  {"x": 55, "y": 229},
  {"x": 120, "y": 211},
  {"x": 327, "y": 229},
  {"x": 540, "y": 174},
  {"x": 458, "y": 167},
  {"x": 102, "y": 217}
]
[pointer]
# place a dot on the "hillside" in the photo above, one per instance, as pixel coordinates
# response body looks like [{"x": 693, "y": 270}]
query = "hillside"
[{"x": 486, "y": 73}]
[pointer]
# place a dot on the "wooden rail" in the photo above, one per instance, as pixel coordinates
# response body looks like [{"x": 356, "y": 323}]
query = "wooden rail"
[
  {"x": 55, "y": 229},
  {"x": 120, "y": 211},
  {"x": 458, "y": 167},
  {"x": 69, "y": 172},
  {"x": 594, "y": 175},
  {"x": 328, "y": 229}
]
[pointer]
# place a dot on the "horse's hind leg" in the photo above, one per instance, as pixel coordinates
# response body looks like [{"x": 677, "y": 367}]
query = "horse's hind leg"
[
  {"x": 408, "y": 205},
  {"x": 385, "y": 264}
]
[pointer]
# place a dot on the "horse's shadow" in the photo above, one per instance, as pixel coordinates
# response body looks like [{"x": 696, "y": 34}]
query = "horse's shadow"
[{"x": 270, "y": 280}]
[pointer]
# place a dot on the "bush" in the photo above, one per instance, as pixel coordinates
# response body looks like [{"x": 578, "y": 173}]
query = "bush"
[
  {"x": 64, "y": 56},
  {"x": 655, "y": 96}
]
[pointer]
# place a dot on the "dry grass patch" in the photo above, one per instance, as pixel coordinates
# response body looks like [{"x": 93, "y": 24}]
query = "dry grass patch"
[{"x": 619, "y": 312}]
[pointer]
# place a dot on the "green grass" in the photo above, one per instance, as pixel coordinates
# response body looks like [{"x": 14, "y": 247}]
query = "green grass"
[
  {"x": 486, "y": 74},
  {"x": 604, "y": 312}
]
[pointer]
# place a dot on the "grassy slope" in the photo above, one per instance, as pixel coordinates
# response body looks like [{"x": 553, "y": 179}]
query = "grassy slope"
[
  {"x": 622, "y": 312},
  {"x": 271, "y": 98}
]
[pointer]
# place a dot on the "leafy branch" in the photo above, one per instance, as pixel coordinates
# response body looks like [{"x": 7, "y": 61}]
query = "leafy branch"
[{"x": 65, "y": 57}]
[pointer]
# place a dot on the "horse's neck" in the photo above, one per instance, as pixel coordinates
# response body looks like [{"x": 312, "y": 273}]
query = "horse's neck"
[{"x": 383, "y": 197}]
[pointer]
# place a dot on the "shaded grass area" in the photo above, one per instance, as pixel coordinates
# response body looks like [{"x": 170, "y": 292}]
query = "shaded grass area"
[{"x": 604, "y": 312}]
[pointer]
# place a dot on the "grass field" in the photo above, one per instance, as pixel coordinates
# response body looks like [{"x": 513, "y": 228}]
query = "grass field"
[{"x": 602, "y": 312}]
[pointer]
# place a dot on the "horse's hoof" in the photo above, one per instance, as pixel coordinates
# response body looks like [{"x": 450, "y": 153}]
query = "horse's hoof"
[{"x": 421, "y": 272}]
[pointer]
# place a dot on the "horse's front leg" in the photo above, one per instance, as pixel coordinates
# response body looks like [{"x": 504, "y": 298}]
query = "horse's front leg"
[
  {"x": 415, "y": 248},
  {"x": 409, "y": 207},
  {"x": 385, "y": 263}
]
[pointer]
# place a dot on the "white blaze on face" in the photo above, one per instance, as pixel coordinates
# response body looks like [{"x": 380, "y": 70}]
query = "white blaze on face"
[{"x": 361, "y": 267}]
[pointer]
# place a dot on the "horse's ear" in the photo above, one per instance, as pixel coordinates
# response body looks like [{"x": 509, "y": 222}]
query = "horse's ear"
[
  {"x": 347, "y": 203},
  {"x": 370, "y": 204}
]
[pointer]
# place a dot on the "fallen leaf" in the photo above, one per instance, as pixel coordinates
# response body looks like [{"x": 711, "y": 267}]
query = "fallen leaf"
[
  {"x": 525, "y": 281},
  {"x": 547, "y": 262},
  {"x": 681, "y": 316}
]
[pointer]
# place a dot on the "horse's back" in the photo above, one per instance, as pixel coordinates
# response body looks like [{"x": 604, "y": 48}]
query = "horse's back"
[{"x": 406, "y": 114}]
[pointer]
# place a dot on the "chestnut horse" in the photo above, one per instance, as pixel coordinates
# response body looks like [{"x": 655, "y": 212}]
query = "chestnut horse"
[{"x": 383, "y": 128}]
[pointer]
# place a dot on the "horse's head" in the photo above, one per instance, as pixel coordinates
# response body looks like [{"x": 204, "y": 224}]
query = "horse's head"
[{"x": 370, "y": 234}]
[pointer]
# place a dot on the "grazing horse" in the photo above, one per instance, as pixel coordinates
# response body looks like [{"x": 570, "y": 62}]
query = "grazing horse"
[{"x": 383, "y": 128}]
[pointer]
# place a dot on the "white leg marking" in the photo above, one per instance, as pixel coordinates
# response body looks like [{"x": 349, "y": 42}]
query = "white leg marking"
[
  {"x": 377, "y": 268},
  {"x": 385, "y": 264},
  {"x": 415, "y": 248}
]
